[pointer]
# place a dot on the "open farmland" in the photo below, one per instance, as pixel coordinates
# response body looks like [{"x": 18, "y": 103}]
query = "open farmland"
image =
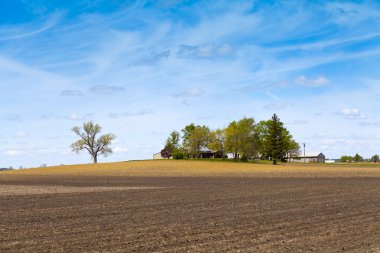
[{"x": 181, "y": 206}]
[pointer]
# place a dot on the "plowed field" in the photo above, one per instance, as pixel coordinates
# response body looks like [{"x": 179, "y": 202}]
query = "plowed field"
[{"x": 179, "y": 206}]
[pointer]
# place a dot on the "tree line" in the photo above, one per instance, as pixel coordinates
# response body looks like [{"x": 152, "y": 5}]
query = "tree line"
[
  {"x": 244, "y": 139},
  {"x": 358, "y": 158}
]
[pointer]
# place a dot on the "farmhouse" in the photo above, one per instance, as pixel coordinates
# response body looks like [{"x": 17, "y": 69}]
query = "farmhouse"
[
  {"x": 204, "y": 153},
  {"x": 157, "y": 156},
  {"x": 309, "y": 158}
]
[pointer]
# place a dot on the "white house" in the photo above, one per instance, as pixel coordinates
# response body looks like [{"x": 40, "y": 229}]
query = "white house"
[
  {"x": 309, "y": 158},
  {"x": 157, "y": 156}
]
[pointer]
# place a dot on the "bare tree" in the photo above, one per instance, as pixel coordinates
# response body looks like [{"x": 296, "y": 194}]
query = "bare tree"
[{"x": 88, "y": 141}]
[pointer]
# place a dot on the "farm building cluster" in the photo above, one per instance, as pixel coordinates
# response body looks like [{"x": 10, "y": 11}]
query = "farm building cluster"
[{"x": 304, "y": 158}]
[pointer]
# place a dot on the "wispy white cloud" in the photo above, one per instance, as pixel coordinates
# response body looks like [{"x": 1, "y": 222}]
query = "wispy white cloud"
[
  {"x": 190, "y": 93},
  {"x": 50, "y": 116},
  {"x": 298, "y": 122},
  {"x": 20, "y": 134},
  {"x": 352, "y": 113},
  {"x": 12, "y": 33},
  {"x": 206, "y": 117},
  {"x": 152, "y": 58},
  {"x": 79, "y": 117},
  {"x": 316, "y": 82},
  {"x": 205, "y": 51},
  {"x": 349, "y": 39},
  {"x": 370, "y": 123},
  {"x": 264, "y": 84},
  {"x": 13, "y": 117},
  {"x": 13, "y": 152},
  {"x": 280, "y": 105},
  {"x": 120, "y": 149},
  {"x": 71, "y": 93},
  {"x": 106, "y": 89},
  {"x": 141, "y": 112},
  {"x": 352, "y": 14}
]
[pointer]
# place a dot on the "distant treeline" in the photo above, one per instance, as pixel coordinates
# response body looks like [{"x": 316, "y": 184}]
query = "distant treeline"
[
  {"x": 3, "y": 169},
  {"x": 244, "y": 139},
  {"x": 358, "y": 158}
]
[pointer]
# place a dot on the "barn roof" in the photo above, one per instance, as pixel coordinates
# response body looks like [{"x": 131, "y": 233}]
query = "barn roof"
[{"x": 311, "y": 154}]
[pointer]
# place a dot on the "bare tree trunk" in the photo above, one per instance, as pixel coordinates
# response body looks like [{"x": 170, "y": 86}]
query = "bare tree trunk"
[{"x": 95, "y": 159}]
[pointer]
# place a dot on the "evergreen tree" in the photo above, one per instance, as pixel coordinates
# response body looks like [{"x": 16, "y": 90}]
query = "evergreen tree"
[
  {"x": 358, "y": 158},
  {"x": 276, "y": 142}
]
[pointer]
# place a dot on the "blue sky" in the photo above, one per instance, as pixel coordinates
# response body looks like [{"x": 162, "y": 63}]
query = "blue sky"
[{"x": 144, "y": 68}]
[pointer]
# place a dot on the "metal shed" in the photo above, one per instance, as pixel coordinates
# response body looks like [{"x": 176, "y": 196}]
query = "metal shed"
[{"x": 309, "y": 158}]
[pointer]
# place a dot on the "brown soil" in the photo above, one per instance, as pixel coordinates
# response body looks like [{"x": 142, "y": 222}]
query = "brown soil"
[{"x": 156, "y": 207}]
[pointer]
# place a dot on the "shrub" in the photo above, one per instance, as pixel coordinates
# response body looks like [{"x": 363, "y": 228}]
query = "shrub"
[
  {"x": 166, "y": 153},
  {"x": 244, "y": 158},
  {"x": 178, "y": 155}
]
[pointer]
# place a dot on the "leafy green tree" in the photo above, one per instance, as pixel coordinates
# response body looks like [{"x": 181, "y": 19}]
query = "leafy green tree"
[
  {"x": 248, "y": 141},
  {"x": 262, "y": 134},
  {"x": 172, "y": 142},
  {"x": 171, "y": 145},
  {"x": 179, "y": 154},
  {"x": 375, "y": 158},
  {"x": 186, "y": 134},
  {"x": 174, "y": 139},
  {"x": 89, "y": 141},
  {"x": 358, "y": 158},
  {"x": 217, "y": 142},
  {"x": 293, "y": 149},
  {"x": 233, "y": 139},
  {"x": 240, "y": 138},
  {"x": 194, "y": 138},
  {"x": 346, "y": 159},
  {"x": 198, "y": 139}
]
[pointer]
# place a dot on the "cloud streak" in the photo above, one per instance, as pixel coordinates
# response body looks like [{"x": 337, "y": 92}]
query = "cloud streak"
[
  {"x": 141, "y": 112},
  {"x": 352, "y": 114},
  {"x": 106, "y": 89},
  {"x": 71, "y": 93},
  {"x": 317, "y": 82},
  {"x": 190, "y": 93},
  {"x": 10, "y": 34}
]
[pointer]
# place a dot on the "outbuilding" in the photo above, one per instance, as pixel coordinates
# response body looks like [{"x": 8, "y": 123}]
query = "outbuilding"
[
  {"x": 309, "y": 158},
  {"x": 157, "y": 156}
]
